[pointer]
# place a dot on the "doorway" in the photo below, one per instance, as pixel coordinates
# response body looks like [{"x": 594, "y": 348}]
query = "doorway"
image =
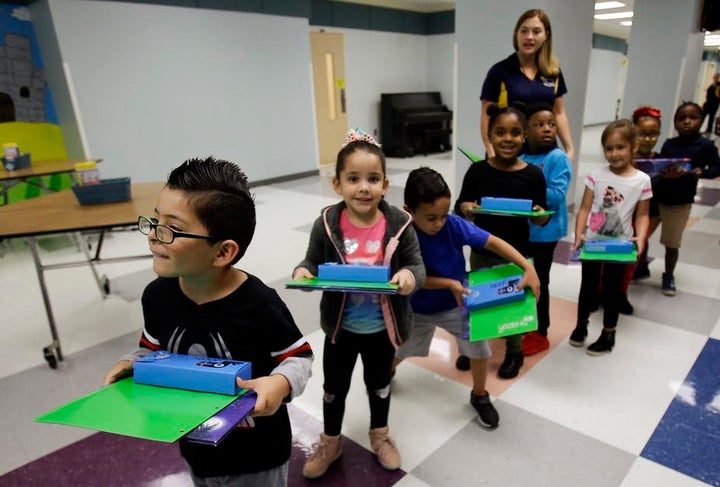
[{"x": 328, "y": 66}]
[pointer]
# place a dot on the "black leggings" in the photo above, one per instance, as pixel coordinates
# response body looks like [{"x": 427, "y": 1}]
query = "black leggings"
[
  {"x": 339, "y": 359},
  {"x": 542, "y": 254},
  {"x": 612, "y": 278}
]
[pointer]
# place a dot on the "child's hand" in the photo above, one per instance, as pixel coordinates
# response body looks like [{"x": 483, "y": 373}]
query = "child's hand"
[
  {"x": 459, "y": 291},
  {"x": 539, "y": 220},
  {"x": 406, "y": 280},
  {"x": 301, "y": 273},
  {"x": 467, "y": 207},
  {"x": 270, "y": 389},
  {"x": 639, "y": 243},
  {"x": 530, "y": 279},
  {"x": 119, "y": 371},
  {"x": 578, "y": 242}
]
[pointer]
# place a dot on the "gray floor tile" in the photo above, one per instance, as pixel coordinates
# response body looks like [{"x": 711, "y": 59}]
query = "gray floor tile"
[{"x": 524, "y": 451}]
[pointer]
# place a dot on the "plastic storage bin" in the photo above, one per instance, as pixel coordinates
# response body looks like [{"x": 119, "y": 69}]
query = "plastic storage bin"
[
  {"x": 20, "y": 162},
  {"x": 107, "y": 191}
]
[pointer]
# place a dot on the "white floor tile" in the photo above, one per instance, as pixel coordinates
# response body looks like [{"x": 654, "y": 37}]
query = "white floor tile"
[
  {"x": 617, "y": 398},
  {"x": 646, "y": 473}
]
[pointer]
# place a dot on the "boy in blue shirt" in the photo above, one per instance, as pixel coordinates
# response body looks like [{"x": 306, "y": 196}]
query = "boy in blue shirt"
[
  {"x": 442, "y": 237},
  {"x": 557, "y": 169}
]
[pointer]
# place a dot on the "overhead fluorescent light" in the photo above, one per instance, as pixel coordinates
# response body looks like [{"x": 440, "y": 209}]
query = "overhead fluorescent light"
[
  {"x": 626, "y": 23},
  {"x": 614, "y": 15},
  {"x": 607, "y": 5}
]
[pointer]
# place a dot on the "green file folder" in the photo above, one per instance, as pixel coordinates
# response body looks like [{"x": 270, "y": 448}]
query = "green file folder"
[
  {"x": 315, "y": 284},
  {"x": 141, "y": 411}
]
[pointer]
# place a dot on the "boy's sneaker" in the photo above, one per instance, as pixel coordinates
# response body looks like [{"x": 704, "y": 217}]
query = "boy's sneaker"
[
  {"x": 604, "y": 344},
  {"x": 641, "y": 272},
  {"x": 577, "y": 337},
  {"x": 534, "y": 343},
  {"x": 487, "y": 414},
  {"x": 668, "y": 285},
  {"x": 325, "y": 452},
  {"x": 625, "y": 307},
  {"x": 385, "y": 448},
  {"x": 462, "y": 362},
  {"x": 511, "y": 365}
]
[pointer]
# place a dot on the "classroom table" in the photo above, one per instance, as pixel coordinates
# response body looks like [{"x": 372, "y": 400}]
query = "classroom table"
[
  {"x": 61, "y": 213},
  {"x": 37, "y": 169}
]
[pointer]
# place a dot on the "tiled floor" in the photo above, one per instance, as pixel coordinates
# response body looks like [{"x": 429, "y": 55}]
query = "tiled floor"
[{"x": 648, "y": 414}]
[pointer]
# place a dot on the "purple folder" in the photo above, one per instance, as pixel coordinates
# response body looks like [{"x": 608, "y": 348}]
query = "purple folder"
[{"x": 214, "y": 429}]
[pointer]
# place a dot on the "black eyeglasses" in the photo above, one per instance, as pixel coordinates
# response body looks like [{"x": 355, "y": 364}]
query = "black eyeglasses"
[{"x": 164, "y": 233}]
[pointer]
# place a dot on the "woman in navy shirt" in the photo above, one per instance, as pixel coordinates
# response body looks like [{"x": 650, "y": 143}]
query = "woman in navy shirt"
[{"x": 530, "y": 75}]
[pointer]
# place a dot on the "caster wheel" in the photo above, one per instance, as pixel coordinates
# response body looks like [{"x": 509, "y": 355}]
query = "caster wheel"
[
  {"x": 106, "y": 285},
  {"x": 50, "y": 358}
]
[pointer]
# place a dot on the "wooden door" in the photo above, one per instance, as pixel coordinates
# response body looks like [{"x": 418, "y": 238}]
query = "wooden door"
[{"x": 328, "y": 63}]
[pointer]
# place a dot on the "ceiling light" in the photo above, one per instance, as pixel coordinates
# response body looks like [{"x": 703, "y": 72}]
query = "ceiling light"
[
  {"x": 626, "y": 23},
  {"x": 606, "y": 5},
  {"x": 614, "y": 15}
]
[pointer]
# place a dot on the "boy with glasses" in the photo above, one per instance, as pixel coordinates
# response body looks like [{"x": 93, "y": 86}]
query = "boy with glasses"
[{"x": 201, "y": 305}]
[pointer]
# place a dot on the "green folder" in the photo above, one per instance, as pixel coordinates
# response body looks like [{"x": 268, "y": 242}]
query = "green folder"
[
  {"x": 141, "y": 411},
  {"x": 505, "y": 319},
  {"x": 470, "y": 155},
  {"x": 315, "y": 284},
  {"x": 627, "y": 257},
  {"x": 530, "y": 214}
]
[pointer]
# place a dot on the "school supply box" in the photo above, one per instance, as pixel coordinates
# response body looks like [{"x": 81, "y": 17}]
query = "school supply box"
[
  {"x": 354, "y": 273},
  {"x": 612, "y": 246},
  {"x": 504, "y": 310},
  {"x": 191, "y": 372},
  {"x": 495, "y": 293},
  {"x": 505, "y": 204}
]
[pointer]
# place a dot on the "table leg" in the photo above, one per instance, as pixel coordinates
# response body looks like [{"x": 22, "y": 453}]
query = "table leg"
[
  {"x": 52, "y": 352},
  {"x": 102, "y": 282}
]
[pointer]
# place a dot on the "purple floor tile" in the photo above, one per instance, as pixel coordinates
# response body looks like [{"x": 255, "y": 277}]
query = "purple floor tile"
[
  {"x": 707, "y": 196},
  {"x": 563, "y": 252},
  {"x": 107, "y": 460},
  {"x": 103, "y": 460}
]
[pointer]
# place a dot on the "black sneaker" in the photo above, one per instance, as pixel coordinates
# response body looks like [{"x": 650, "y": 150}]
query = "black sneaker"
[
  {"x": 462, "y": 362},
  {"x": 487, "y": 414},
  {"x": 604, "y": 344},
  {"x": 625, "y": 307},
  {"x": 577, "y": 337},
  {"x": 511, "y": 365},
  {"x": 641, "y": 272},
  {"x": 668, "y": 285}
]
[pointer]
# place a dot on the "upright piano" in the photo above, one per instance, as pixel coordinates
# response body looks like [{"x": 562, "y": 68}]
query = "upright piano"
[{"x": 413, "y": 123}]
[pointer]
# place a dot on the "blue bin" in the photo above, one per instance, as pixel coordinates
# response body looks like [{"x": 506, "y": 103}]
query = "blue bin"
[
  {"x": 20, "y": 162},
  {"x": 107, "y": 191}
]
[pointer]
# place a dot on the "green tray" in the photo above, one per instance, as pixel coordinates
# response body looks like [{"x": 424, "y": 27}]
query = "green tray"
[
  {"x": 315, "y": 284},
  {"x": 141, "y": 411},
  {"x": 505, "y": 319},
  {"x": 626, "y": 257}
]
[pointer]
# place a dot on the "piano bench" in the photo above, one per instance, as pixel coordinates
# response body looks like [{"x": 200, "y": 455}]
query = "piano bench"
[{"x": 444, "y": 134}]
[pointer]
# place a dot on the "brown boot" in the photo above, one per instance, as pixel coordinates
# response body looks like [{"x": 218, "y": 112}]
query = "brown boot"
[
  {"x": 385, "y": 448},
  {"x": 326, "y": 451}
]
